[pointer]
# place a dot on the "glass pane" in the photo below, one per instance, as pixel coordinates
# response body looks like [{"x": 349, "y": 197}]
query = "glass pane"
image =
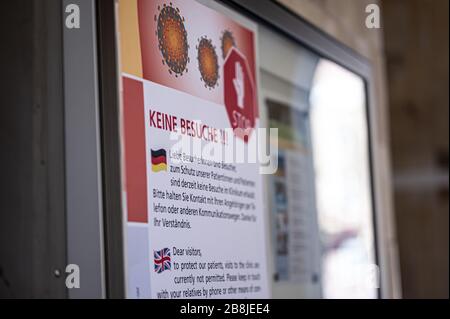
[
  {"x": 342, "y": 178},
  {"x": 320, "y": 205}
]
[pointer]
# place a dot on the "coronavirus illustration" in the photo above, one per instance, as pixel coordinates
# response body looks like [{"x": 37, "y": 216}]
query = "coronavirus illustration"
[
  {"x": 172, "y": 39},
  {"x": 208, "y": 62},
  {"x": 227, "y": 42}
]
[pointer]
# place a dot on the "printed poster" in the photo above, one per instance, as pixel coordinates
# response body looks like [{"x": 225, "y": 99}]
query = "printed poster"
[{"x": 194, "y": 218}]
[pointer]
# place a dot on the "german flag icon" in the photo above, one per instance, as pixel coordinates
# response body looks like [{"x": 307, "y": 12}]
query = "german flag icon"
[{"x": 159, "y": 160}]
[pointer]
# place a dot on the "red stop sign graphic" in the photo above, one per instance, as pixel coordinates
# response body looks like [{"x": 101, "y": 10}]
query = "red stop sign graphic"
[{"x": 239, "y": 91}]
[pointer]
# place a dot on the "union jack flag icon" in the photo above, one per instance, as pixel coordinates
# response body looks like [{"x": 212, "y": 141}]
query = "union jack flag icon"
[{"x": 162, "y": 260}]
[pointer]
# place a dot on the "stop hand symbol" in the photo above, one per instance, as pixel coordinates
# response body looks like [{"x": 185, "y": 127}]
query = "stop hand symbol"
[{"x": 239, "y": 85}]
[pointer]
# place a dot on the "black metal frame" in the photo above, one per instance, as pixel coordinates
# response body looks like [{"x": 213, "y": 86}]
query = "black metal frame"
[
  {"x": 276, "y": 16},
  {"x": 110, "y": 143},
  {"x": 266, "y": 12}
]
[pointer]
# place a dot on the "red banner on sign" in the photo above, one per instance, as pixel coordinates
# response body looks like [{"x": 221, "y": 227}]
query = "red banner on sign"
[{"x": 135, "y": 158}]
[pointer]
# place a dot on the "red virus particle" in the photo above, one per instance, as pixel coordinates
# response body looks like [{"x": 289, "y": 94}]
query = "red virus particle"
[
  {"x": 172, "y": 39},
  {"x": 208, "y": 62},
  {"x": 227, "y": 42}
]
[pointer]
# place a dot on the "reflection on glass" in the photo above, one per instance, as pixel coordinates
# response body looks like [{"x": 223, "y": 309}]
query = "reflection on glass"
[
  {"x": 293, "y": 220},
  {"x": 343, "y": 190}
]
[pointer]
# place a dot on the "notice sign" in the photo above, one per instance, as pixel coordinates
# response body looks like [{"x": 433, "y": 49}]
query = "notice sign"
[{"x": 194, "y": 215}]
